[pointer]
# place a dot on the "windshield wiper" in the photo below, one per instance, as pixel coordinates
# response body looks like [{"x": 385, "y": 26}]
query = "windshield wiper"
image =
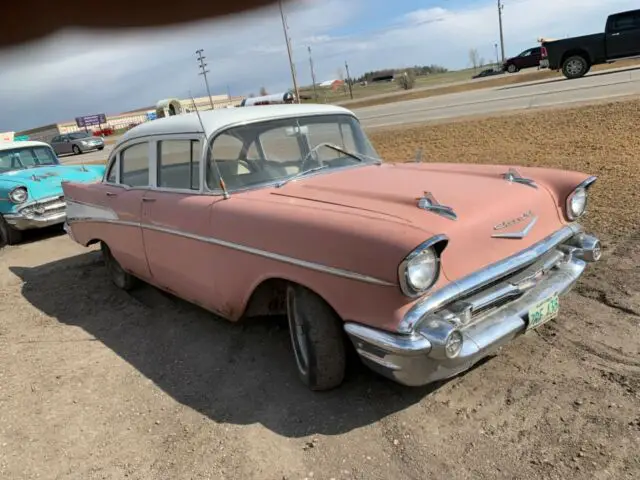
[{"x": 301, "y": 173}]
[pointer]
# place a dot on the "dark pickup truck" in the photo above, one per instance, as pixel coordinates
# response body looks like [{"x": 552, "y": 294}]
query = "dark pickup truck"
[{"x": 576, "y": 55}]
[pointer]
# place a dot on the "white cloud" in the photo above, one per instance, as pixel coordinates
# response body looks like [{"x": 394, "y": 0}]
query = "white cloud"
[{"x": 76, "y": 73}]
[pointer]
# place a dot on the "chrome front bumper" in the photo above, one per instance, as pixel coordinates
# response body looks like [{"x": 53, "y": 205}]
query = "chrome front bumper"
[
  {"x": 40, "y": 214},
  {"x": 488, "y": 308}
]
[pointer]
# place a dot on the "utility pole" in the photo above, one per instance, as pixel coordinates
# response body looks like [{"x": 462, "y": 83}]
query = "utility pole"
[
  {"x": 204, "y": 73},
  {"x": 287, "y": 40},
  {"x": 346, "y": 65},
  {"x": 313, "y": 76},
  {"x": 500, "y": 7},
  {"x": 497, "y": 58}
]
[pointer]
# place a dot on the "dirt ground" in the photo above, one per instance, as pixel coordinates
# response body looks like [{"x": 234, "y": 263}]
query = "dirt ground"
[{"x": 99, "y": 384}]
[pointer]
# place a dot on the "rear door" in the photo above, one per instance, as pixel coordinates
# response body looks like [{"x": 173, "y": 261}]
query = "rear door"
[
  {"x": 623, "y": 35},
  {"x": 126, "y": 183}
]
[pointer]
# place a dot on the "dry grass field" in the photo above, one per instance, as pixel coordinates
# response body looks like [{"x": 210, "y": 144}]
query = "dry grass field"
[{"x": 99, "y": 384}]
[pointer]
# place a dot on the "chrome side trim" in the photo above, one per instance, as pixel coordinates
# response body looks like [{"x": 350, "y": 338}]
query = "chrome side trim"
[
  {"x": 481, "y": 278},
  {"x": 242, "y": 248},
  {"x": 513, "y": 176}
]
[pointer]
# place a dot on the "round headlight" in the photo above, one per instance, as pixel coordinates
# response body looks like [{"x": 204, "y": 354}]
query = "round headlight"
[
  {"x": 420, "y": 271},
  {"x": 18, "y": 195},
  {"x": 577, "y": 203}
]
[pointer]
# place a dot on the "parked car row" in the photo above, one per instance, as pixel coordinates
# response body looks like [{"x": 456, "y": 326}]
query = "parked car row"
[{"x": 422, "y": 268}]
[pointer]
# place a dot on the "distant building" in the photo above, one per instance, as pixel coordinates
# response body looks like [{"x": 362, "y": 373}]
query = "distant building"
[{"x": 332, "y": 84}]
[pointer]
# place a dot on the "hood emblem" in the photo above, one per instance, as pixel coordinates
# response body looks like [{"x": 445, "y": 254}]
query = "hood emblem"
[
  {"x": 528, "y": 219},
  {"x": 514, "y": 177},
  {"x": 428, "y": 202}
]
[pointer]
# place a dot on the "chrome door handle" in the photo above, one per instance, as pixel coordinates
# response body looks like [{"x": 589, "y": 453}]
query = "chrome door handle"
[
  {"x": 615, "y": 34},
  {"x": 111, "y": 194},
  {"x": 144, "y": 199}
]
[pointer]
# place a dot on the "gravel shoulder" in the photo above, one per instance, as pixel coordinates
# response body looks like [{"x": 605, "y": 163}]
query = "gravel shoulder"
[{"x": 99, "y": 384}]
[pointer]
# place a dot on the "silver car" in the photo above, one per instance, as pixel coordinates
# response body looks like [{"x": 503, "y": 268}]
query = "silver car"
[{"x": 76, "y": 143}]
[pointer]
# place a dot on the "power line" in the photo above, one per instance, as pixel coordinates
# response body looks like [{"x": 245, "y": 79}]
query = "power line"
[
  {"x": 313, "y": 76},
  {"x": 288, "y": 42},
  {"x": 204, "y": 73},
  {"x": 500, "y": 7}
]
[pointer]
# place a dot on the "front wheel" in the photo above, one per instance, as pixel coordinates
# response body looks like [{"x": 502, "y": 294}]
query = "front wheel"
[
  {"x": 575, "y": 66},
  {"x": 8, "y": 234},
  {"x": 76, "y": 150},
  {"x": 119, "y": 277},
  {"x": 317, "y": 339}
]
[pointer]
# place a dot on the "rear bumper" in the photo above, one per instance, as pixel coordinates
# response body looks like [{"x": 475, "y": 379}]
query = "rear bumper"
[{"x": 501, "y": 314}]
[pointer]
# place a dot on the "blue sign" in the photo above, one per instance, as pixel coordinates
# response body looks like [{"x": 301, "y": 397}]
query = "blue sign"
[
  {"x": 91, "y": 120},
  {"x": 21, "y": 138},
  {"x": 152, "y": 115}
]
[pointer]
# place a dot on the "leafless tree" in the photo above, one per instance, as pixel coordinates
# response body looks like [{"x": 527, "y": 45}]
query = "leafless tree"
[{"x": 474, "y": 57}]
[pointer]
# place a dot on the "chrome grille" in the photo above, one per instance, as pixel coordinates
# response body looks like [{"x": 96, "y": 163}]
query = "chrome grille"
[{"x": 45, "y": 208}]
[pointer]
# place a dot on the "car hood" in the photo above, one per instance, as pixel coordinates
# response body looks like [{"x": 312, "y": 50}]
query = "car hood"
[
  {"x": 481, "y": 198},
  {"x": 47, "y": 181}
]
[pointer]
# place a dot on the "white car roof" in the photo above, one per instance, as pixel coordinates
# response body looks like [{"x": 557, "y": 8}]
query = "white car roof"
[
  {"x": 30, "y": 143},
  {"x": 214, "y": 120}
]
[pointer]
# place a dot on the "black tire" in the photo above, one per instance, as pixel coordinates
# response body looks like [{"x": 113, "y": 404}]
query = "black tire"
[
  {"x": 575, "y": 66},
  {"x": 8, "y": 234},
  {"x": 100, "y": 148},
  {"x": 76, "y": 150},
  {"x": 317, "y": 339},
  {"x": 512, "y": 68},
  {"x": 119, "y": 277}
]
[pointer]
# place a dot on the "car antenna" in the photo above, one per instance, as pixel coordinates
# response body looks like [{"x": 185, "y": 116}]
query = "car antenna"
[{"x": 225, "y": 193}]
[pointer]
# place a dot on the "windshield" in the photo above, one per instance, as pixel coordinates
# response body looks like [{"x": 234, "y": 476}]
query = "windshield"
[
  {"x": 26, "y": 157},
  {"x": 77, "y": 135},
  {"x": 271, "y": 151}
]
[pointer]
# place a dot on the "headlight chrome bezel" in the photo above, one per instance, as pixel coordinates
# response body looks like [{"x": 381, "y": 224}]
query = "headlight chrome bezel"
[
  {"x": 19, "y": 189},
  {"x": 436, "y": 245},
  {"x": 583, "y": 187}
]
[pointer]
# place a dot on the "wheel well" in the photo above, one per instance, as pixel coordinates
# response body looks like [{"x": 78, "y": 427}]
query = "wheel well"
[
  {"x": 269, "y": 298},
  {"x": 579, "y": 52},
  {"x": 93, "y": 241}
]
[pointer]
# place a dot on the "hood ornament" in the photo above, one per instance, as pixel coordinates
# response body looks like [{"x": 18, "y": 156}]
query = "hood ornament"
[
  {"x": 513, "y": 176},
  {"x": 527, "y": 216},
  {"x": 428, "y": 202}
]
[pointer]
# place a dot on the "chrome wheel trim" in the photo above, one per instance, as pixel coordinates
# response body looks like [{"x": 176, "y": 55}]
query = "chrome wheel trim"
[{"x": 575, "y": 67}]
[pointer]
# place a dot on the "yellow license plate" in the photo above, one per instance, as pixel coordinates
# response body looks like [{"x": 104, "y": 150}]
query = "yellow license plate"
[{"x": 543, "y": 312}]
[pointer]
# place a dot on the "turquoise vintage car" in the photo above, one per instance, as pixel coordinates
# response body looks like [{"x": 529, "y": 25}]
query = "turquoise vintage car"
[{"x": 31, "y": 194}]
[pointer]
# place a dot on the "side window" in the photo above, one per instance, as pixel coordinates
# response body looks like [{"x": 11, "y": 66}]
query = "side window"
[
  {"x": 179, "y": 164},
  {"x": 134, "y": 165},
  {"x": 55, "y": 139},
  {"x": 628, "y": 21}
]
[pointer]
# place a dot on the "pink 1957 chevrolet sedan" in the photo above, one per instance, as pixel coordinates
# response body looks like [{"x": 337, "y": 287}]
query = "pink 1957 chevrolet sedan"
[{"x": 426, "y": 268}]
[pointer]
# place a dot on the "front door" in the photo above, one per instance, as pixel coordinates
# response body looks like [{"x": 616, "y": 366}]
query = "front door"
[{"x": 623, "y": 35}]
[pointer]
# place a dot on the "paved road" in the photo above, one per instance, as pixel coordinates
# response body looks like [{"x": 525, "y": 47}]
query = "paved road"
[{"x": 596, "y": 86}]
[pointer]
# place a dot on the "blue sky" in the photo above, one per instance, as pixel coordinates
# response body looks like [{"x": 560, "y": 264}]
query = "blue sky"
[{"x": 77, "y": 73}]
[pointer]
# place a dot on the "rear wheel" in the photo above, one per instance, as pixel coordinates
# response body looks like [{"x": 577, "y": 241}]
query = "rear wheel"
[
  {"x": 575, "y": 66},
  {"x": 512, "y": 68},
  {"x": 317, "y": 339},
  {"x": 119, "y": 277},
  {"x": 76, "y": 150},
  {"x": 8, "y": 234}
]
